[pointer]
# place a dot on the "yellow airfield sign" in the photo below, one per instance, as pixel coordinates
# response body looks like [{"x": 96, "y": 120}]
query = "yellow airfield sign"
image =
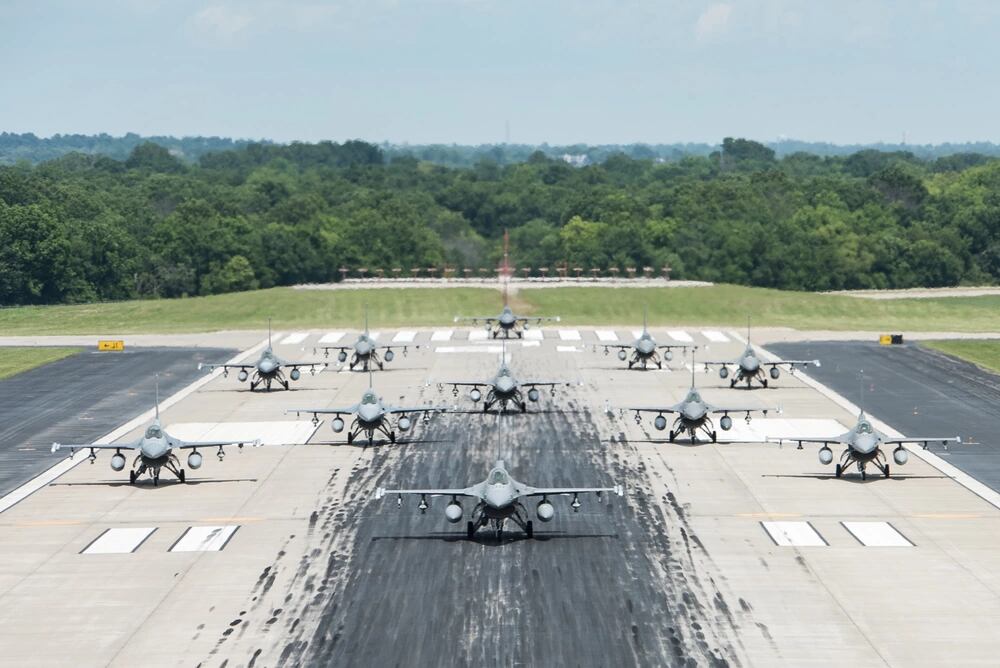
[{"x": 110, "y": 344}]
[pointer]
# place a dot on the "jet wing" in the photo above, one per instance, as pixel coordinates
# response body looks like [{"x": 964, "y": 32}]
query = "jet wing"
[
  {"x": 742, "y": 409},
  {"x": 179, "y": 444},
  {"x": 568, "y": 491},
  {"x": 488, "y": 319},
  {"x": 476, "y": 491},
  {"x": 651, "y": 409},
  {"x": 836, "y": 440},
  {"x": 527, "y": 319},
  {"x": 924, "y": 441},
  {"x": 673, "y": 346},
  {"x": 226, "y": 367},
  {"x": 324, "y": 411},
  {"x": 544, "y": 383},
  {"x": 415, "y": 409},
  {"x": 792, "y": 363},
  {"x": 305, "y": 365},
  {"x": 73, "y": 447}
]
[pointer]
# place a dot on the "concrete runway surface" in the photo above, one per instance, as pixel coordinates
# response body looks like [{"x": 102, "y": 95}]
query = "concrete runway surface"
[
  {"x": 81, "y": 398},
  {"x": 718, "y": 554}
]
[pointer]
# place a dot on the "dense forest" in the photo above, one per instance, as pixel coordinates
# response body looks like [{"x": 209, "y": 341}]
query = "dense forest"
[{"x": 87, "y": 227}]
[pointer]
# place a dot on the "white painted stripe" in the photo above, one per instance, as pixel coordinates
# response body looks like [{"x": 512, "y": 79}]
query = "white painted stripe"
[
  {"x": 478, "y": 334},
  {"x": 736, "y": 336},
  {"x": 569, "y": 334},
  {"x": 332, "y": 337},
  {"x": 53, "y": 472},
  {"x": 119, "y": 541},
  {"x": 715, "y": 336},
  {"x": 469, "y": 349},
  {"x": 404, "y": 336},
  {"x": 205, "y": 539},
  {"x": 984, "y": 492},
  {"x": 877, "y": 534},
  {"x": 761, "y": 430},
  {"x": 793, "y": 534},
  {"x": 295, "y": 337},
  {"x": 636, "y": 333},
  {"x": 533, "y": 335},
  {"x": 374, "y": 335},
  {"x": 530, "y": 344},
  {"x": 442, "y": 334},
  {"x": 567, "y": 349},
  {"x": 679, "y": 335},
  {"x": 270, "y": 433},
  {"x": 606, "y": 335}
]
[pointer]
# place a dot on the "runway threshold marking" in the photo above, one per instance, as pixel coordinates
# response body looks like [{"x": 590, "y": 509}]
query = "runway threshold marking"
[
  {"x": 405, "y": 336},
  {"x": 64, "y": 465},
  {"x": 636, "y": 333},
  {"x": 793, "y": 534},
  {"x": 478, "y": 334},
  {"x": 533, "y": 335},
  {"x": 567, "y": 349},
  {"x": 606, "y": 335},
  {"x": 715, "y": 336},
  {"x": 442, "y": 334},
  {"x": 877, "y": 534},
  {"x": 374, "y": 335},
  {"x": 119, "y": 541},
  {"x": 569, "y": 334},
  {"x": 332, "y": 337},
  {"x": 679, "y": 335},
  {"x": 295, "y": 337},
  {"x": 205, "y": 539},
  {"x": 468, "y": 349}
]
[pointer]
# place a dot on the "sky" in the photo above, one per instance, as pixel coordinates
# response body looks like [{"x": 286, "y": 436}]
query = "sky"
[{"x": 463, "y": 71}]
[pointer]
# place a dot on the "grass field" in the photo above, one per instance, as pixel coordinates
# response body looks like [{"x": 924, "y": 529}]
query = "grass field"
[
  {"x": 17, "y": 360},
  {"x": 984, "y": 352},
  {"x": 722, "y": 305}
]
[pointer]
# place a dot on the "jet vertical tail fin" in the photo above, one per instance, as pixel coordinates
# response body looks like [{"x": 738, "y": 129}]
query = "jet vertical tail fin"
[
  {"x": 157, "y": 397},
  {"x": 644, "y": 314},
  {"x": 269, "y": 333}
]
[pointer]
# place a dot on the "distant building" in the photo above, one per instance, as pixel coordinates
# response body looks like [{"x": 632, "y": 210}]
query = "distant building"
[{"x": 578, "y": 160}]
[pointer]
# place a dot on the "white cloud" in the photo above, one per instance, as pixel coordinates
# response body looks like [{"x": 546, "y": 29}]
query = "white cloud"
[
  {"x": 713, "y": 21},
  {"x": 222, "y": 23}
]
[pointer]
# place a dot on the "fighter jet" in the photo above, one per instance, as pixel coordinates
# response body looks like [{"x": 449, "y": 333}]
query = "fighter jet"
[
  {"x": 748, "y": 367},
  {"x": 864, "y": 446},
  {"x": 498, "y": 499},
  {"x": 371, "y": 414},
  {"x": 267, "y": 369},
  {"x": 155, "y": 451},
  {"x": 364, "y": 351},
  {"x": 645, "y": 349},
  {"x": 507, "y": 322},
  {"x": 693, "y": 415},
  {"x": 504, "y": 389}
]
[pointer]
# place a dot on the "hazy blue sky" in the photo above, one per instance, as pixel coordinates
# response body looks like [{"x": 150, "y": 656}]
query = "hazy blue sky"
[{"x": 559, "y": 71}]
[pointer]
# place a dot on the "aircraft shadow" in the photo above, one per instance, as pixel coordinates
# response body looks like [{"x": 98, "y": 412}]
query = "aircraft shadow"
[
  {"x": 379, "y": 443},
  {"x": 552, "y": 411},
  {"x": 149, "y": 483},
  {"x": 490, "y": 540},
  {"x": 852, "y": 477},
  {"x": 662, "y": 441}
]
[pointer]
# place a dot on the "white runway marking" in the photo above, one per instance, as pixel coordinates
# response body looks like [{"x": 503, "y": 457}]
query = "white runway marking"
[
  {"x": 469, "y": 349},
  {"x": 877, "y": 534},
  {"x": 374, "y": 335},
  {"x": 735, "y": 336},
  {"x": 530, "y": 344},
  {"x": 442, "y": 334},
  {"x": 295, "y": 337},
  {"x": 269, "y": 433},
  {"x": 205, "y": 539},
  {"x": 679, "y": 335},
  {"x": 715, "y": 336},
  {"x": 793, "y": 534},
  {"x": 569, "y": 334},
  {"x": 119, "y": 541},
  {"x": 478, "y": 334},
  {"x": 606, "y": 335},
  {"x": 761, "y": 429},
  {"x": 533, "y": 335},
  {"x": 636, "y": 333},
  {"x": 332, "y": 337},
  {"x": 404, "y": 336},
  {"x": 567, "y": 349}
]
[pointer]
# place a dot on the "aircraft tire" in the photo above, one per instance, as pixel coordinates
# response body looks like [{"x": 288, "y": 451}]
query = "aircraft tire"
[
  {"x": 392, "y": 437},
  {"x": 350, "y": 438},
  {"x": 470, "y": 530},
  {"x": 839, "y": 471},
  {"x": 180, "y": 475},
  {"x": 732, "y": 384},
  {"x": 131, "y": 477},
  {"x": 671, "y": 436},
  {"x": 886, "y": 471},
  {"x": 764, "y": 383},
  {"x": 864, "y": 474},
  {"x": 530, "y": 529},
  {"x": 524, "y": 407},
  {"x": 714, "y": 438},
  {"x": 156, "y": 480}
]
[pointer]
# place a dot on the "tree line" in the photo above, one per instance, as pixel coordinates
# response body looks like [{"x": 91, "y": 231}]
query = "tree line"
[{"x": 87, "y": 227}]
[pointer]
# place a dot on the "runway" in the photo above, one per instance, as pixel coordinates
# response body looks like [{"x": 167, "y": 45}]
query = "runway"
[
  {"x": 718, "y": 554},
  {"x": 920, "y": 392},
  {"x": 81, "y": 398}
]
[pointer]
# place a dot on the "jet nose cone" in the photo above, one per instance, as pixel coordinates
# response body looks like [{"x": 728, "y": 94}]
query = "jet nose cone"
[
  {"x": 751, "y": 363},
  {"x": 507, "y": 319},
  {"x": 267, "y": 366},
  {"x": 866, "y": 444},
  {"x": 505, "y": 385},
  {"x": 497, "y": 497},
  {"x": 368, "y": 413},
  {"x": 362, "y": 348},
  {"x": 645, "y": 346},
  {"x": 693, "y": 411}
]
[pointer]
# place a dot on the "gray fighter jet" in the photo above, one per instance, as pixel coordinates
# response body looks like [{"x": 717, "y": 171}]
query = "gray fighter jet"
[
  {"x": 507, "y": 322},
  {"x": 155, "y": 451},
  {"x": 694, "y": 415},
  {"x": 498, "y": 499},
  {"x": 864, "y": 446},
  {"x": 267, "y": 369},
  {"x": 364, "y": 351},
  {"x": 371, "y": 415},
  {"x": 748, "y": 367},
  {"x": 645, "y": 349},
  {"x": 505, "y": 389}
]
